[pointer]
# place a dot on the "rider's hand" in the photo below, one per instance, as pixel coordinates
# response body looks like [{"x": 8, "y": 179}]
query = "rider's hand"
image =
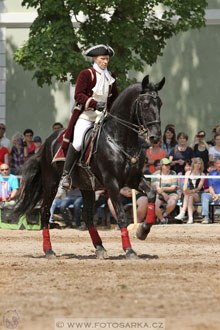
[{"x": 100, "y": 106}]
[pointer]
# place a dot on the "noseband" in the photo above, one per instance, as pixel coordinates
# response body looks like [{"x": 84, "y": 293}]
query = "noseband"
[{"x": 138, "y": 103}]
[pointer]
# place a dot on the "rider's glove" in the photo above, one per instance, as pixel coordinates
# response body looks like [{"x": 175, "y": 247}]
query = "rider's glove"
[{"x": 100, "y": 106}]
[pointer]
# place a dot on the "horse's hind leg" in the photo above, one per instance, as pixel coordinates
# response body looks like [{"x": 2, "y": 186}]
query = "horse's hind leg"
[{"x": 88, "y": 211}]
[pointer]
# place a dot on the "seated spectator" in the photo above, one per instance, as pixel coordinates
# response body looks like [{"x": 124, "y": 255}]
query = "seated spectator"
[
  {"x": 8, "y": 184},
  {"x": 166, "y": 190},
  {"x": 63, "y": 202},
  {"x": 37, "y": 143},
  {"x": 214, "y": 152},
  {"x": 16, "y": 154},
  {"x": 4, "y": 142},
  {"x": 57, "y": 126},
  {"x": 169, "y": 140},
  {"x": 187, "y": 167},
  {"x": 192, "y": 189},
  {"x": 201, "y": 148},
  {"x": 180, "y": 153},
  {"x": 126, "y": 198},
  {"x": 155, "y": 153},
  {"x": 28, "y": 142},
  {"x": 213, "y": 194}
]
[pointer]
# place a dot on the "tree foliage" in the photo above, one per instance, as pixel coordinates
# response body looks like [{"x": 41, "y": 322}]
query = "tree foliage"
[{"x": 131, "y": 27}]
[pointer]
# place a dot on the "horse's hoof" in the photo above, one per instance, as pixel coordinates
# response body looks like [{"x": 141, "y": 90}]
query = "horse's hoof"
[
  {"x": 49, "y": 254},
  {"x": 101, "y": 252},
  {"x": 143, "y": 230},
  {"x": 131, "y": 254}
]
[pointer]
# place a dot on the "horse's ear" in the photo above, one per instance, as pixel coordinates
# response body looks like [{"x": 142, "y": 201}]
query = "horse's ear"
[
  {"x": 145, "y": 82},
  {"x": 159, "y": 86}
]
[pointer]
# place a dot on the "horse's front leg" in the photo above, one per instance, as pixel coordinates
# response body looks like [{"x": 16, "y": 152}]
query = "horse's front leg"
[
  {"x": 145, "y": 227},
  {"x": 123, "y": 223},
  {"x": 88, "y": 212}
]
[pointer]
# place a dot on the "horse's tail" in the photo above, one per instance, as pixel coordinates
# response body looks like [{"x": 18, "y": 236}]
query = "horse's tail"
[{"x": 31, "y": 185}]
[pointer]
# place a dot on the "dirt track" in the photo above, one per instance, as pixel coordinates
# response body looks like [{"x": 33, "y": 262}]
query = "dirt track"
[{"x": 177, "y": 277}]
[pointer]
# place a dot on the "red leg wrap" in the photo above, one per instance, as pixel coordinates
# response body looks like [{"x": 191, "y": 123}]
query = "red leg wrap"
[
  {"x": 150, "y": 218},
  {"x": 96, "y": 240},
  {"x": 125, "y": 239},
  {"x": 46, "y": 240}
]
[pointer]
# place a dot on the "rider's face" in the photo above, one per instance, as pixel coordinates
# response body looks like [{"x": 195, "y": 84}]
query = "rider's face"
[{"x": 102, "y": 61}]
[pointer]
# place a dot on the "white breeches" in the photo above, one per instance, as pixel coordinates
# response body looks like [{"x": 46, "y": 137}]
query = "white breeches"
[{"x": 79, "y": 131}]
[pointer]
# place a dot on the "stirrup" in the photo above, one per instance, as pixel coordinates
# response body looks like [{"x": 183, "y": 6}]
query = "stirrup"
[{"x": 66, "y": 183}]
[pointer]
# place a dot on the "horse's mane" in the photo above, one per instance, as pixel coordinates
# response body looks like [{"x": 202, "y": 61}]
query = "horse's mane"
[{"x": 126, "y": 97}]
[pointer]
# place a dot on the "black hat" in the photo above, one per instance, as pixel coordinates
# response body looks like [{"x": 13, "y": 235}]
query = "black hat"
[
  {"x": 99, "y": 50},
  {"x": 37, "y": 139}
]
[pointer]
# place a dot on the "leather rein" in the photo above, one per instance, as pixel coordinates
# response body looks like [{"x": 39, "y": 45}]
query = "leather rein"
[{"x": 140, "y": 129}]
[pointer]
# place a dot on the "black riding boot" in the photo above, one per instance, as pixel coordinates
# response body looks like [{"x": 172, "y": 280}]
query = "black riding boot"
[{"x": 72, "y": 157}]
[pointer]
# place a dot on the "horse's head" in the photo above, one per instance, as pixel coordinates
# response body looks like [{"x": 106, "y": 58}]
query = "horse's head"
[{"x": 148, "y": 105}]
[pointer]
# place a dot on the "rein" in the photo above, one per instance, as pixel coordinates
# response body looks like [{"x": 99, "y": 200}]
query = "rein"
[{"x": 140, "y": 129}]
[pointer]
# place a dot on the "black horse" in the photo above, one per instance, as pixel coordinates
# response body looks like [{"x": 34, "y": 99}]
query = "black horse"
[{"x": 117, "y": 161}]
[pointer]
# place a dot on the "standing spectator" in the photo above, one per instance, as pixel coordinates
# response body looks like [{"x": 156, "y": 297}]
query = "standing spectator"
[
  {"x": 213, "y": 193},
  {"x": 166, "y": 190},
  {"x": 201, "y": 148},
  {"x": 155, "y": 153},
  {"x": 4, "y": 142},
  {"x": 4, "y": 155},
  {"x": 192, "y": 189},
  {"x": 8, "y": 184},
  {"x": 169, "y": 140},
  {"x": 57, "y": 126},
  {"x": 16, "y": 152},
  {"x": 28, "y": 142},
  {"x": 212, "y": 141},
  {"x": 180, "y": 153},
  {"x": 214, "y": 151},
  {"x": 37, "y": 143}
]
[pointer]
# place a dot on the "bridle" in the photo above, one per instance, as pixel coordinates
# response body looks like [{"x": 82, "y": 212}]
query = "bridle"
[{"x": 140, "y": 129}]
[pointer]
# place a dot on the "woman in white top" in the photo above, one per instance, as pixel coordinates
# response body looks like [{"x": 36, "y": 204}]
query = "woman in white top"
[
  {"x": 214, "y": 152},
  {"x": 192, "y": 188}
]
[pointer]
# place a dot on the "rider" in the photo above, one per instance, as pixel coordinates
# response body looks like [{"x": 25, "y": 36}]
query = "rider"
[{"x": 94, "y": 92}]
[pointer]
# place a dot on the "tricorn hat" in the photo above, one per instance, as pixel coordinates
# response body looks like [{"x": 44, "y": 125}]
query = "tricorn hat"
[{"x": 99, "y": 50}]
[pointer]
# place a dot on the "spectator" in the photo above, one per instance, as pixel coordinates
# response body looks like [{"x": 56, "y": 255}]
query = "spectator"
[
  {"x": 201, "y": 148},
  {"x": 4, "y": 142},
  {"x": 180, "y": 153},
  {"x": 214, "y": 191},
  {"x": 126, "y": 198},
  {"x": 155, "y": 153},
  {"x": 63, "y": 202},
  {"x": 166, "y": 190},
  {"x": 187, "y": 167},
  {"x": 4, "y": 155},
  {"x": 214, "y": 151},
  {"x": 8, "y": 184},
  {"x": 28, "y": 142},
  {"x": 192, "y": 189},
  {"x": 169, "y": 140},
  {"x": 37, "y": 143},
  {"x": 56, "y": 126},
  {"x": 212, "y": 141},
  {"x": 16, "y": 152}
]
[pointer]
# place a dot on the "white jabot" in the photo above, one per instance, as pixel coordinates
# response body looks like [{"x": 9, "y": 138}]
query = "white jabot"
[{"x": 98, "y": 89}]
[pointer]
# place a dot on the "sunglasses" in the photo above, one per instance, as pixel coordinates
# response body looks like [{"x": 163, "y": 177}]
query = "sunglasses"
[
  {"x": 4, "y": 169},
  {"x": 3, "y": 128}
]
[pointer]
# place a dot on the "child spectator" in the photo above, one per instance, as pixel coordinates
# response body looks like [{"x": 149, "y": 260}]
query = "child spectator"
[{"x": 153, "y": 154}]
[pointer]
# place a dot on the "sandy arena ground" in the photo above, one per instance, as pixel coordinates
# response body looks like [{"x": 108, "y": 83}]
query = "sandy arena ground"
[{"x": 177, "y": 278}]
